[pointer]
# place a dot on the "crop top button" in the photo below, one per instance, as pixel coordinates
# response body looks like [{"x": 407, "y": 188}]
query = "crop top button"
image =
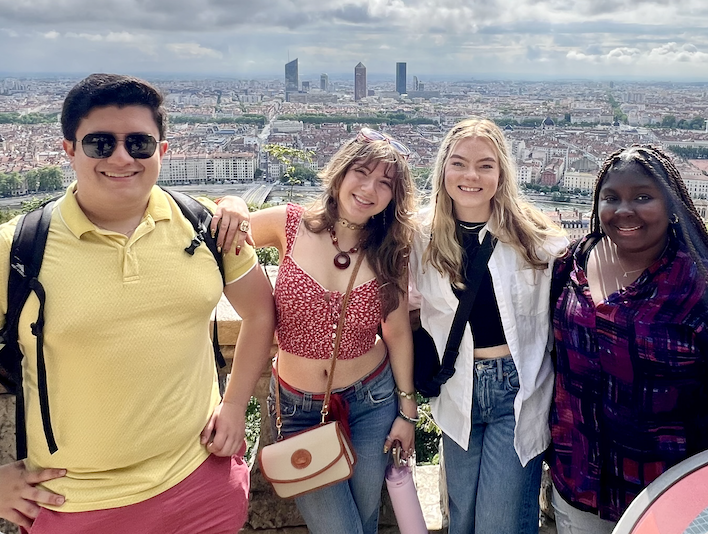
[{"x": 326, "y": 296}]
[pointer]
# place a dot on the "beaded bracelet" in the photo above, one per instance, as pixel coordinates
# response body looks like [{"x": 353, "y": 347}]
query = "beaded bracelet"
[
  {"x": 411, "y": 420},
  {"x": 404, "y": 395}
]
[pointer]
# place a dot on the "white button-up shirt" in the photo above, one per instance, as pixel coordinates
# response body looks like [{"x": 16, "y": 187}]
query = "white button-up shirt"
[{"x": 522, "y": 295}]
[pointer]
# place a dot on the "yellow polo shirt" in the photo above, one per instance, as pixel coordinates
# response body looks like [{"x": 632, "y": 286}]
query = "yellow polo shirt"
[{"x": 130, "y": 366}]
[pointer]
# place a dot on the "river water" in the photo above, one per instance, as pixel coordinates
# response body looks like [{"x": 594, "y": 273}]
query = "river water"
[{"x": 305, "y": 194}]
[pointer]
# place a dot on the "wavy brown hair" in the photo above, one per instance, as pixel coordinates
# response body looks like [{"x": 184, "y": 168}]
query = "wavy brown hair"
[
  {"x": 386, "y": 237},
  {"x": 514, "y": 220}
]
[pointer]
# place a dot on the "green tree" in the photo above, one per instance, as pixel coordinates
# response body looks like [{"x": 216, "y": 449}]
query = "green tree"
[
  {"x": 697, "y": 123},
  {"x": 305, "y": 174},
  {"x": 289, "y": 157},
  {"x": 34, "y": 203},
  {"x": 9, "y": 183},
  {"x": 668, "y": 121},
  {"x": 49, "y": 178}
]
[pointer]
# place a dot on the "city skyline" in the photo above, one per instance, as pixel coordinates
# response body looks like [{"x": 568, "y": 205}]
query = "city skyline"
[{"x": 509, "y": 39}]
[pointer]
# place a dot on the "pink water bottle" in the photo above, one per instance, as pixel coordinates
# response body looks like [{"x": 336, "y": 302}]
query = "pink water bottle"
[{"x": 406, "y": 506}]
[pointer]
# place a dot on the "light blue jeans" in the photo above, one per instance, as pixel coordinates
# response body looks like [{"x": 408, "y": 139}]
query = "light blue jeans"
[
  {"x": 488, "y": 489},
  {"x": 352, "y": 506},
  {"x": 570, "y": 520}
]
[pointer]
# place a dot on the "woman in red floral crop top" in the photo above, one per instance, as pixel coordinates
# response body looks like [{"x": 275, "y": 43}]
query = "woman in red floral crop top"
[{"x": 366, "y": 208}]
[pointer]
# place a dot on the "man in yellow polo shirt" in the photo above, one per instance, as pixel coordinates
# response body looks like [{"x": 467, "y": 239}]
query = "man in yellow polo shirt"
[{"x": 145, "y": 444}]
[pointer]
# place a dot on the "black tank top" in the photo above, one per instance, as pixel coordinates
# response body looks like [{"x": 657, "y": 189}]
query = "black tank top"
[{"x": 484, "y": 318}]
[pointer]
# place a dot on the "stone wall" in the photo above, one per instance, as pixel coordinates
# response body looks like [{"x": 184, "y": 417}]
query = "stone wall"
[{"x": 7, "y": 444}]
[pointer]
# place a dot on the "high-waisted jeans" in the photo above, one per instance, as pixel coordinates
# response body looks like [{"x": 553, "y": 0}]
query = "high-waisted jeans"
[
  {"x": 352, "y": 506},
  {"x": 489, "y": 492}
]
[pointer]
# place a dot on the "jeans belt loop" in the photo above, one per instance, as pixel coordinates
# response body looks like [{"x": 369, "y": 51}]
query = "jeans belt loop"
[
  {"x": 307, "y": 402},
  {"x": 500, "y": 369},
  {"x": 359, "y": 389}
]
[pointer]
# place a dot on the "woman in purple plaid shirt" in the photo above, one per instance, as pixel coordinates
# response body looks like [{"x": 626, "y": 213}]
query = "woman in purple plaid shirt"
[{"x": 631, "y": 396}]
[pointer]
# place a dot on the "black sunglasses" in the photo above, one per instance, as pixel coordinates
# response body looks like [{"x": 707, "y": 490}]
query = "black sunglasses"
[{"x": 101, "y": 145}]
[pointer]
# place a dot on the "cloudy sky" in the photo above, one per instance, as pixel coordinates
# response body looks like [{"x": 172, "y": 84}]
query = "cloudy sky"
[{"x": 531, "y": 39}]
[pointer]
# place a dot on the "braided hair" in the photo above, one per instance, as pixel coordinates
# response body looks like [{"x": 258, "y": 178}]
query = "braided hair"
[{"x": 684, "y": 219}]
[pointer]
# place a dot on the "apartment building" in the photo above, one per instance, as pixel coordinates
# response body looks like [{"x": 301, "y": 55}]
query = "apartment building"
[{"x": 207, "y": 168}]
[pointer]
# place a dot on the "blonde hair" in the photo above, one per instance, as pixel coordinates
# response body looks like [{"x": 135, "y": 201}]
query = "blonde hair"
[
  {"x": 386, "y": 238},
  {"x": 513, "y": 220}
]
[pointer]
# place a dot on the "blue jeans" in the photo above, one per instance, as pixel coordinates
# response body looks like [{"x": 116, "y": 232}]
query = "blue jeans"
[
  {"x": 488, "y": 489},
  {"x": 352, "y": 506}
]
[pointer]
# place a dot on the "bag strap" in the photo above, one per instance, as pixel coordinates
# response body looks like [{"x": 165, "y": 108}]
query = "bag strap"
[
  {"x": 335, "y": 353},
  {"x": 464, "y": 308},
  {"x": 26, "y": 257},
  {"x": 200, "y": 219}
]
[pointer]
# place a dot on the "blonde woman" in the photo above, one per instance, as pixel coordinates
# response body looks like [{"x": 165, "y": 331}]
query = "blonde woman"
[{"x": 494, "y": 410}]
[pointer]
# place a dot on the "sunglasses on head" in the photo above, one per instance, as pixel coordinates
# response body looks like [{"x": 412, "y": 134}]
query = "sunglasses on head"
[
  {"x": 101, "y": 145},
  {"x": 368, "y": 135}
]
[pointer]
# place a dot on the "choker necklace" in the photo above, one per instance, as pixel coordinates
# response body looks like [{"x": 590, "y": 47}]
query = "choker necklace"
[
  {"x": 625, "y": 273},
  {"x": 471, "y": 226},
  {"x": 350, "y": 225},
  {"x": 342, "y": 259}
]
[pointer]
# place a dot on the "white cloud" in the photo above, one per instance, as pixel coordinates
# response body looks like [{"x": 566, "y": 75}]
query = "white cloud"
[
  {"x": 87, "y": 36},
  {"x": 52, "y": 35},
  {"x": 192, "y": 51},
  {"x": 672, "y": 52},
  {"x": 668, "y": 53},
  {"x": 624, "y": 55},
  {"x": 575, "y": 55},
  {"x": 122, "y": 37}
]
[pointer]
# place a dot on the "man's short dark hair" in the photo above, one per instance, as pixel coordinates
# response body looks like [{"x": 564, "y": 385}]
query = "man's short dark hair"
[{"x": 100, "y": 90}]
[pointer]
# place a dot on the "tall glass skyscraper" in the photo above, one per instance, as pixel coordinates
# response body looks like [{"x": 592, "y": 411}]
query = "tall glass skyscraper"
[
  {"x": 292, "y": 79},
  {"x": 401, "y": 78},
  {"x": 359, "y": 81}
]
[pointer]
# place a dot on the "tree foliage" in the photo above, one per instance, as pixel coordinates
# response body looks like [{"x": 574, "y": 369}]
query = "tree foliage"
[
  {"x": 44, "y": 179},
  {"x": 290, "y": 158},
  {"x": 668, "y": 121},
  {"x": 28, "y": 118},
  {"x": 381, "y": 118},
  {"x": 247, "y": 118},
  {"x": 305, "y": 174},
  {"x": 693, "y": 152}
]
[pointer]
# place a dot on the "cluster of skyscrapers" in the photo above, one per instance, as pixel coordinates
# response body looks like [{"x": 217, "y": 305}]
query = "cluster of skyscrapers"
[{"x": 292, "y": 80}]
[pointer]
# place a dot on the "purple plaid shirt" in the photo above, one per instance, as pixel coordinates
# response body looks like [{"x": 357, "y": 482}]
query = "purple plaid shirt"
[{"x": 631, "y": 396}]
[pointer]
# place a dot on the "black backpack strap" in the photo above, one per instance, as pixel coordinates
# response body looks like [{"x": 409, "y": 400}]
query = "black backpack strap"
[
  {"x": 200, "y": 218},
  {"x": 464, "y": 308},
  {"x": 26, "y": 257}
]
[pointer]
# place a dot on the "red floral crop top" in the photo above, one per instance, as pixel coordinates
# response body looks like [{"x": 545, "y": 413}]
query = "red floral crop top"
[{"x": 308, "y": 314}]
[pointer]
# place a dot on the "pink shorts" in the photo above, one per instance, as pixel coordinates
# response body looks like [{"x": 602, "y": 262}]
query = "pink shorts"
[{"x": 212, "y": 500}]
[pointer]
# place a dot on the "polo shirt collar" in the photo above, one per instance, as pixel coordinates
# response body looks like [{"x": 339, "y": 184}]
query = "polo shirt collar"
[{"x": 158, "y": 209}]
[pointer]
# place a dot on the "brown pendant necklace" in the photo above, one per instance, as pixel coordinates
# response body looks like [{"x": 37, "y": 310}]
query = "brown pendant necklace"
[{"x": 342, "y": 259}]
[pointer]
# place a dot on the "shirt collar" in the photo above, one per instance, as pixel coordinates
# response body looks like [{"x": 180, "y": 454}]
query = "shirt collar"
[{"x": 158, "y": 209}]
